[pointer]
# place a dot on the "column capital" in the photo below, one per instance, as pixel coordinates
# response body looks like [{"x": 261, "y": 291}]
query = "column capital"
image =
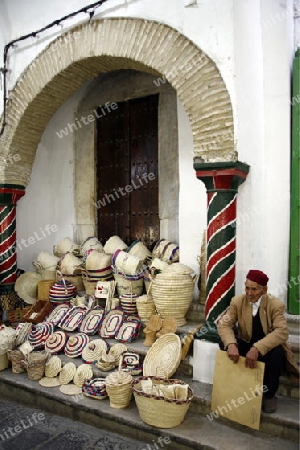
[
  {"x": 221, "y": 176},
  {"x": 11, "y": 193}
]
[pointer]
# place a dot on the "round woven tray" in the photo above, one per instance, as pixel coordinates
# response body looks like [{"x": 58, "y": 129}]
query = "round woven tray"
[{"x": 163, "y": 358}]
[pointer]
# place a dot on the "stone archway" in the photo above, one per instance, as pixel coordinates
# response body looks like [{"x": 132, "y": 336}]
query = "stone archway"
[{"x": 111, "y": 44}]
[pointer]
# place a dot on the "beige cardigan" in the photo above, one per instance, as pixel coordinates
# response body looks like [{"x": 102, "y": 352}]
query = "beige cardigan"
[{"x": 274, "y": 324}]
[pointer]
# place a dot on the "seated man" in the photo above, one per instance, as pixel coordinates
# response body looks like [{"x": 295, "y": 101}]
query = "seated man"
[{"x": 262, "y": 334}]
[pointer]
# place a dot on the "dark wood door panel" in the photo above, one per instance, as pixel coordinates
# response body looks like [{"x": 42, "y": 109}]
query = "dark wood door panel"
[{"x": 127, "y": 172}]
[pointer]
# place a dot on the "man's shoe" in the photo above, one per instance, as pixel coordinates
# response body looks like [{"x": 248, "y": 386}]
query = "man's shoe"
[{"x": 269, "y": 405}]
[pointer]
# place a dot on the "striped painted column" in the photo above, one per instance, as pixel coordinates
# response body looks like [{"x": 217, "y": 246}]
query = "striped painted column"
[
  {"x": 222, "y": 181},
  {"x": 9, "y": 195}
]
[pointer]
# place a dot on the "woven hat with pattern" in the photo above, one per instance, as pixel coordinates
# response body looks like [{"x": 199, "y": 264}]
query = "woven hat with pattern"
[
  {"x": 39, "y": 334},
  {"x": 76, "y": 344},
  {"x": 56, "y": 342}
]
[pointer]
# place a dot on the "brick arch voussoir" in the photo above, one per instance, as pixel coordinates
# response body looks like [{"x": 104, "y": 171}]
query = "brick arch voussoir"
[{"x": 84, "y": 52}]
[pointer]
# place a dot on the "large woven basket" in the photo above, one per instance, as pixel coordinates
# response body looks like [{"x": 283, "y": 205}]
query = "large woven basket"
[
  {"x": 159, "y": 411},
  {"x": 172, "y": 294}
]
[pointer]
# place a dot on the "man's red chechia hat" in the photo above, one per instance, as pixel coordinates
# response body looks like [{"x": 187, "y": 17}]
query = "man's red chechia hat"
[{"x": 258, "y": 277}]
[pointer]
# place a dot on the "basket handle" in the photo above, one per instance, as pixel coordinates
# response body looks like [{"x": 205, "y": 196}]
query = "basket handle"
[{"x": 63, "y": 280}]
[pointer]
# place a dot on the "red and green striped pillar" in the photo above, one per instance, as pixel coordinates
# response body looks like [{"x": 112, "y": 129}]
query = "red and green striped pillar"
[
  {"x": 221, "y": 180},
  {"x": 9, "y": 195}
]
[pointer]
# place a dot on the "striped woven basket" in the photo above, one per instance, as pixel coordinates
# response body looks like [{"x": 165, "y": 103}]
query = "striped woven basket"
[
  {"x": 159, "y": 411},
  {"x": 172, "y": 294}
]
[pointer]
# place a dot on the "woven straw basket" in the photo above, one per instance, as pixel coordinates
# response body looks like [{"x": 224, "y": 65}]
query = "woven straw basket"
[
  {"x": 145, "y": 307},
  {"x": 159, "y": 411},
  {"x": 172, "y": 295},
  {"x": 118, "y": 388},
  {"x": 16, "y": 357},
  {"x": 4, "y": 363},
  {"x": 126, "y": 286}
]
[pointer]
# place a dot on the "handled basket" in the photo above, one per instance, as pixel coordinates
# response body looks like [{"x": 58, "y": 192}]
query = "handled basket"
[{"x": 159, "y": 411}]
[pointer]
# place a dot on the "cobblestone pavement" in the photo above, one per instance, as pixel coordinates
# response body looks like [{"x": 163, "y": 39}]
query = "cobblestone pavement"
[{"x": 24, "y": 428}]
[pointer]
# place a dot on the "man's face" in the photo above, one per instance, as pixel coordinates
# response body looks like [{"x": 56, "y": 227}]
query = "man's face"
[{"x": 254, "y": 291}]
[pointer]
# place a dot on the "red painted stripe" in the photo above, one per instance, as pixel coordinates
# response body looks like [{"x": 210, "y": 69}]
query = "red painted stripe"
[
  {"x": 7, "y": 220},
  {"x": 223, "y": 284},
  {"x": 8, "y": 263},
  {"x": 220, "y": 254},
  {"x": 8, "y": 243},
  {"x": 10, "y": 279},
  {"x": 225, "y": 216},
  {"x": 221, "y": 172}
]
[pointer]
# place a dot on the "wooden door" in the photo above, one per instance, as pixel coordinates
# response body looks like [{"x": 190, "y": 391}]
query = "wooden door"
[{"x": 127, "y": 171}]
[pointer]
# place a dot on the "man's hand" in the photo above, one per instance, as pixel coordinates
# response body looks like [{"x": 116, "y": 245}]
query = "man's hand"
[
  {"x": 251, "y": 358},
  {"x": 233, "y": 353}
]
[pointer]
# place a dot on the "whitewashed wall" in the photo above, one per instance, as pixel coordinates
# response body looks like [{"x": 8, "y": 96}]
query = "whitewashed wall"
[{"x": 252, "y": 44}]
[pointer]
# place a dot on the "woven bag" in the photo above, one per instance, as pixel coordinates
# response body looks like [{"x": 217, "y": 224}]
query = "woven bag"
[
  {"x": 145, "y": 307},
  {"x": 16, "y": 357},
  {"x": 118, "y": 388},
  {"x": 159, "y": 411},
  {"x": 173, "y": 294}
]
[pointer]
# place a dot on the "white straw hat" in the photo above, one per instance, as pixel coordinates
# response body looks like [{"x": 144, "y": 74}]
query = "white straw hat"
[
  {"x": 53, "y": 367},
  {"x": 67, "y": 373},
  {"x": 83, "y": 372}
]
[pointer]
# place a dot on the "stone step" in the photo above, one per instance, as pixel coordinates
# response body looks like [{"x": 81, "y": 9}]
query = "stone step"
[{"x": 195, "y": 432}]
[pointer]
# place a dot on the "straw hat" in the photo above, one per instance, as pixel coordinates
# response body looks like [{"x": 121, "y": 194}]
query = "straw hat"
[
  {"x": 76, "y": 344},
  {"x": 83, "y": 372},
  {"x": 69, "y": 263},
  {"x": 91, "y": 243},
  {"x": 26, "y": 286},
  {"x": 66, "y": 245},
  {"x": 117, "y": 349},
  {"x": 114, "y": 243},
  {"x": 45, "y": 261},
  {"x": 70, "y": 389},
  {"x": 93, "y": 351},
  {"x": 39, "y": 334},
  {"x": 56, "y": 342},
  {"x": 53, "y": 367},
  {"x": 97, "y": 260},
  {"x": 22, "y": 331},
  {"x": 49, "y": 382},
  {"x": 67, "y": 373}
]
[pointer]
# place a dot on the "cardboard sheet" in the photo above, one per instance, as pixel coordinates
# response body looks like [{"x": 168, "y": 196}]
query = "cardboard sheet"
[{"x": 237, "y": 391}]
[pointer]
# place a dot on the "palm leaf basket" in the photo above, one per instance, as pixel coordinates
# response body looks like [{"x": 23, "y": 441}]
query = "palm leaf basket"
[
  {"x": 173, "y": 294},
  {"x": 159, "y": 411}
]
